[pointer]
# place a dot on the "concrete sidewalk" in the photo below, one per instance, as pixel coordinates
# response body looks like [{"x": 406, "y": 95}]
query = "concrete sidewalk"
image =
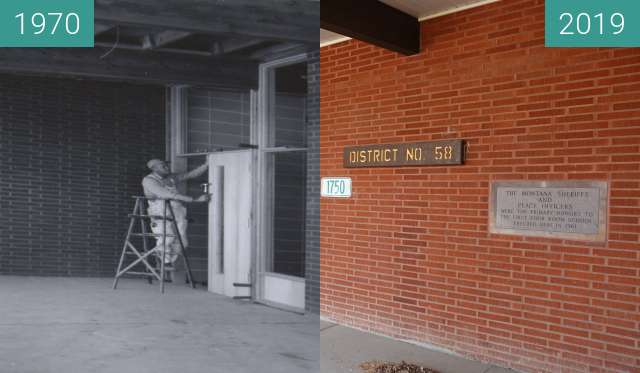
[
  {"x": 343, "y": 349},
  {"x": 80, "y": 325}
]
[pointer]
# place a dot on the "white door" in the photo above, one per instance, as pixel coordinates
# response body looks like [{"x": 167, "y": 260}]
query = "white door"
[{"x": 231, "y": 226}]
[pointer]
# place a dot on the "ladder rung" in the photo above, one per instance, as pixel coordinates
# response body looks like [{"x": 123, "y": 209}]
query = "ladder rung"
[
  {"x": 149, "y": 216},
  {"x": 151, "y": 234},
  {"x": 137, "y": 257}
]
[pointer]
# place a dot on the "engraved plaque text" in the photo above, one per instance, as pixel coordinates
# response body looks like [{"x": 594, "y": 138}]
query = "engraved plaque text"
[{"x": 561, "y": 209}]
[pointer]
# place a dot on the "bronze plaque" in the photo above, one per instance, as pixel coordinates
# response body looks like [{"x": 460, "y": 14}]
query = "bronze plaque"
[
  {"x": 574, "y": 210},
  {"x": 430, "y": 153}
]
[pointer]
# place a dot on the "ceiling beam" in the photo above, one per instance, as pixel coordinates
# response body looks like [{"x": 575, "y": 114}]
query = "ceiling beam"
[
  {"x": 373, "y": 22},
  {"x": 138, "y": 47},
  {"x": 296, "y": 20},
  {"x": 279, "y": 51},
  {"x": 234, "y": 45},
  {"x": 128, "y": 65},
  {"x": 100, "y": 28},
  {"x": 163, "y": 38}
]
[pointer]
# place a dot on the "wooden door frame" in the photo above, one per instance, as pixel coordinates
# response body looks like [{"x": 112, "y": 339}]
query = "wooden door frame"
[{"x": 262, "y": 135}]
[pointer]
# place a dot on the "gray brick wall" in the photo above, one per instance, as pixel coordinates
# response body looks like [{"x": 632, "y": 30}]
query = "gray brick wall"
[
  {"x": 313, "y": 185},
  {"x": 218, "y": 118},
  {"x": 72, "y": 152}
]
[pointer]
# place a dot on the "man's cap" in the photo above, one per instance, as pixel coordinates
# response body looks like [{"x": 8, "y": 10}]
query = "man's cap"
[{"x": 154, "y": 162}]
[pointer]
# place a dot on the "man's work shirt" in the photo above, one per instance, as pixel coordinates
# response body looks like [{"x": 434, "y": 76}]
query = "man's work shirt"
[
  {"x": 166, "y": 188},
  {"x": 158, "y": 189}
]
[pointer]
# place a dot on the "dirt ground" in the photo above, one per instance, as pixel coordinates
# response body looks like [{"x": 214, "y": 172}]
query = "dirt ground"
[{"x": 388, "y": 367}]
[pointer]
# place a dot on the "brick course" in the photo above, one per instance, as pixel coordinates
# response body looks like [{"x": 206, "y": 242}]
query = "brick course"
[
  {"x": 72, "y": 152},
  {"x": 410, "y": 255}
]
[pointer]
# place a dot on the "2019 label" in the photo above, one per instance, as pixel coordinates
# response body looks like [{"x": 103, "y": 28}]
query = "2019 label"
[
  {"x": 592, "y": 23},
  {"x": 582, "y": 24}
]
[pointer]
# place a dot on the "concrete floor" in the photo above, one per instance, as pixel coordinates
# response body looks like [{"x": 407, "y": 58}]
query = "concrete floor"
[
  {"x": 344, "y": 349},
  {"x": 80, "y": 325}
]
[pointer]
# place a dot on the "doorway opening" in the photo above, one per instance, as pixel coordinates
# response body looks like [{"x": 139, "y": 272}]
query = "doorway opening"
[
  {"x": 282, "y": 168},
  {"x": 253, "y": 231}
]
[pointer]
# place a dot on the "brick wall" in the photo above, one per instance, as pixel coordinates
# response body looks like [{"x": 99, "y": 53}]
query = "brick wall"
[
  {"x": 410, "y": 255},
  {"x": 72, "y": 152},
  {"x": 312, "y": 221}
]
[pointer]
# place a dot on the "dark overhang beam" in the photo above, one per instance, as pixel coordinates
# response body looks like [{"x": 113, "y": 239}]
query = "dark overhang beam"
[
  {"x": 287, "y": 20},
  {"x": 372, "y": 21},
  {"x": 167, "y": 68}
]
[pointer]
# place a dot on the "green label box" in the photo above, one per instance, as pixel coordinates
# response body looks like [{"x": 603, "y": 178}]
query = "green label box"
[
  {"x": 46, "y": 23},
  {"x": 592, "y": 23}
]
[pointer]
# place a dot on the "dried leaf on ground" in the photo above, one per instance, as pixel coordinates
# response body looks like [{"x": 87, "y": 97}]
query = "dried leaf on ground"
[{"x": 387, "y": 367}]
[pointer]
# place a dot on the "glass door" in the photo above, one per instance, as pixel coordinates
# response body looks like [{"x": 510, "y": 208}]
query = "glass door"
[{"x": 282, "y": 165}]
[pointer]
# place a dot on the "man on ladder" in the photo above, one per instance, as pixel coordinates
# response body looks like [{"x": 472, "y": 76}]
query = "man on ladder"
[{"x": 161, "y": 185}]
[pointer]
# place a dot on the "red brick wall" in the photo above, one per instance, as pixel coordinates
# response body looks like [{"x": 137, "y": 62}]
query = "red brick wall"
[{"x": 410, "y": 255}]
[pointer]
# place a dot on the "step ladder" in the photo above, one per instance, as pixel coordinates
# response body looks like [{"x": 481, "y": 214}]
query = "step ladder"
[{"x": 158, "y": 271}]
